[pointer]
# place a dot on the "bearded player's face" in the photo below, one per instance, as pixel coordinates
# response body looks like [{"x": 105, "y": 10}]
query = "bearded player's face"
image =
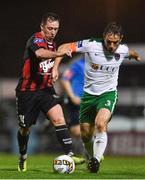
[
  {"x": 112, "y": 41},
  {"x": 50, "y": 29}
]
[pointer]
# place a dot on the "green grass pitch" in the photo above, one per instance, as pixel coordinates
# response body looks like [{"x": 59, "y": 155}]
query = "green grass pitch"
[{"x": 40, "y": 167}]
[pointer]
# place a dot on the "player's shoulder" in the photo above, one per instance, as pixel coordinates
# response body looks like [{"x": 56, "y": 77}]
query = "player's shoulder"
[
  {"x": 97, "y": 40},
  {"x": 123, "y": 47},
  {"x": 36, "y": 35},
  {"x": 36, "y": 38},
  {"x": 90, "y": 41},
  {"x": 95, "y": 43}
]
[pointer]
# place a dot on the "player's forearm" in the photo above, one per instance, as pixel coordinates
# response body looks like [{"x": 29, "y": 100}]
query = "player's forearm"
[
  {"x": 46, "y": 54},
  {"x": 57, "y": 62},
  {"x": 71, "y": 46},
  {"x": 59, "y": 59},
  {"x": 63, "y": 47}
]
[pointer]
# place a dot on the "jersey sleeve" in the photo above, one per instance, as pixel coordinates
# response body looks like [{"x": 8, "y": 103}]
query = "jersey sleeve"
[
  {"x": 67, "y": 75},
  {"x": 36, "y": 43},
  {"x": 80, "y": 46},
  {"x": 70, "y": 72},
  {"x": 126, "y": 50}
]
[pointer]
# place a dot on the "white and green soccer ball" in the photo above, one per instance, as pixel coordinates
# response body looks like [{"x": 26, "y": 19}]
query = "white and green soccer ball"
[{"x": 63, "y": 164}]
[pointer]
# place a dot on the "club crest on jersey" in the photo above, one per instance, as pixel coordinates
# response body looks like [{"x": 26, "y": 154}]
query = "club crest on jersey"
[
  {"x": 38, "y": 40},
  {"x": 94, "y": 66},
  {"x": 117, "y": 56}
]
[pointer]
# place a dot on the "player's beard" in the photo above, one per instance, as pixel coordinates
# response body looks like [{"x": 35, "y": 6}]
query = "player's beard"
[{"x": 111, "y": 50}]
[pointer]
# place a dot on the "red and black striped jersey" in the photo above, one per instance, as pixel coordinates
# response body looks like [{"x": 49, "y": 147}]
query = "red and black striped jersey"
[{"x": 36, "y": 74}]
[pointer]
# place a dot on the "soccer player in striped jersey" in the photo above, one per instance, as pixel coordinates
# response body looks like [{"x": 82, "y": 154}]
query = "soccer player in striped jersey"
[
  {"x": 103, "y": 58},
  {"x": 35, "y": 92}
]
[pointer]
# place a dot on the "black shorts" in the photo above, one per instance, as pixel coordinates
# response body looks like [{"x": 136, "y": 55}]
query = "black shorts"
[
  {"x": 29, "y": 104},
  {"x": 73, "y": 113}
]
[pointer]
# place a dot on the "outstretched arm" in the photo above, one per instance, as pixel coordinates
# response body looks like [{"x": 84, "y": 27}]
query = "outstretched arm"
[
  {"x": 133, "y": 54},
  {"x": 70, "y": 46},
  {"x": 44, "y": 54},
  {"x": 55, "y": 71}
]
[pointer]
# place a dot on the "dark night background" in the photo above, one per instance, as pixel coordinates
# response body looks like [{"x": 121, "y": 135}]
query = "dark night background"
[{"x": 79, "y": 19}]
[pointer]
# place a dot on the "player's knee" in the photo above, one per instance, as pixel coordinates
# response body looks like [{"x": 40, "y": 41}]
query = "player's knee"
[
  {"x": 75, "y": 131},
  {"x": 24, "y": 131},
  {"x": 86, "y": 135},
  {"x": 58, "y": 121},
  {"x": 86, "y": 132},
  {"x": 101, "y": 126}
]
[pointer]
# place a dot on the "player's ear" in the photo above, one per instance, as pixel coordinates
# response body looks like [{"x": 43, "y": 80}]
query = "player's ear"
[
  {"x": 41, "y": 26},
  {"x": 121, "y": 37}
]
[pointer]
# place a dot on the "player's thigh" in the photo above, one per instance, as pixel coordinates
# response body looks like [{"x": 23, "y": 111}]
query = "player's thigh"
[
  {"x": 105, "y": 105},
  {"x": 107, "y": 100},
  {"x": 87, "y": 109},
  {"x": 27, "y": 108},
  {"x": 50, "y": 106}
]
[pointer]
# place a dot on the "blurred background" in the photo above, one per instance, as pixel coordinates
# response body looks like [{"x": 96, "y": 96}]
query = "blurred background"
[{"x": 80, "y": 19}]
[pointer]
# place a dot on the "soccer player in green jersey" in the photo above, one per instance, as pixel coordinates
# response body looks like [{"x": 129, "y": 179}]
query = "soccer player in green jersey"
[{"x": 103, "y": 58}]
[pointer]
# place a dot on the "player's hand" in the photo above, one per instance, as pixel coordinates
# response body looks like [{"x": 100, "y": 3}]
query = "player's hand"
[
  {"x": 138, "y": 58},
  {"x": 69, "y": 52},
  {"x": 133, "y": 54},
  {"x": 65, "y": 50}
]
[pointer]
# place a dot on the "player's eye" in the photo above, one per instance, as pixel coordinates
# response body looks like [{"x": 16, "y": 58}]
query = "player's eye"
[
  {"x": 50, "y": 28},
  {"x": 112, "y": 42}
]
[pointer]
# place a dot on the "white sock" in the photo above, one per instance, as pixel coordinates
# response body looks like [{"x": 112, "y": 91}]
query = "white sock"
[{"x": 99, "y": 146}]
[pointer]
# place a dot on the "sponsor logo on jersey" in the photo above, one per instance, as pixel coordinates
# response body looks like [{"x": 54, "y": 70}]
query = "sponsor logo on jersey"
[
  {"x": 103, "y": 68},
  {"x": 38, "y": 40},
  {"x": 46, "y": 65}
]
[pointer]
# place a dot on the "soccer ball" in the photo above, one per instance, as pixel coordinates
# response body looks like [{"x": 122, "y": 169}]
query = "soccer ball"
[{"x": 63, "y": 164}]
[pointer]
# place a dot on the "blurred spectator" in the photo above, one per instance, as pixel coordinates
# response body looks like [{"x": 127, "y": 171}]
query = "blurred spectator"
[{"x": 72, "y": 81}]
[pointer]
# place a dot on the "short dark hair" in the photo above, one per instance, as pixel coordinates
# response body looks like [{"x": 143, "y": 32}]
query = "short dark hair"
[
  {"x": 51, "y": 16},
  {"x": 114, "y": 28}
]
